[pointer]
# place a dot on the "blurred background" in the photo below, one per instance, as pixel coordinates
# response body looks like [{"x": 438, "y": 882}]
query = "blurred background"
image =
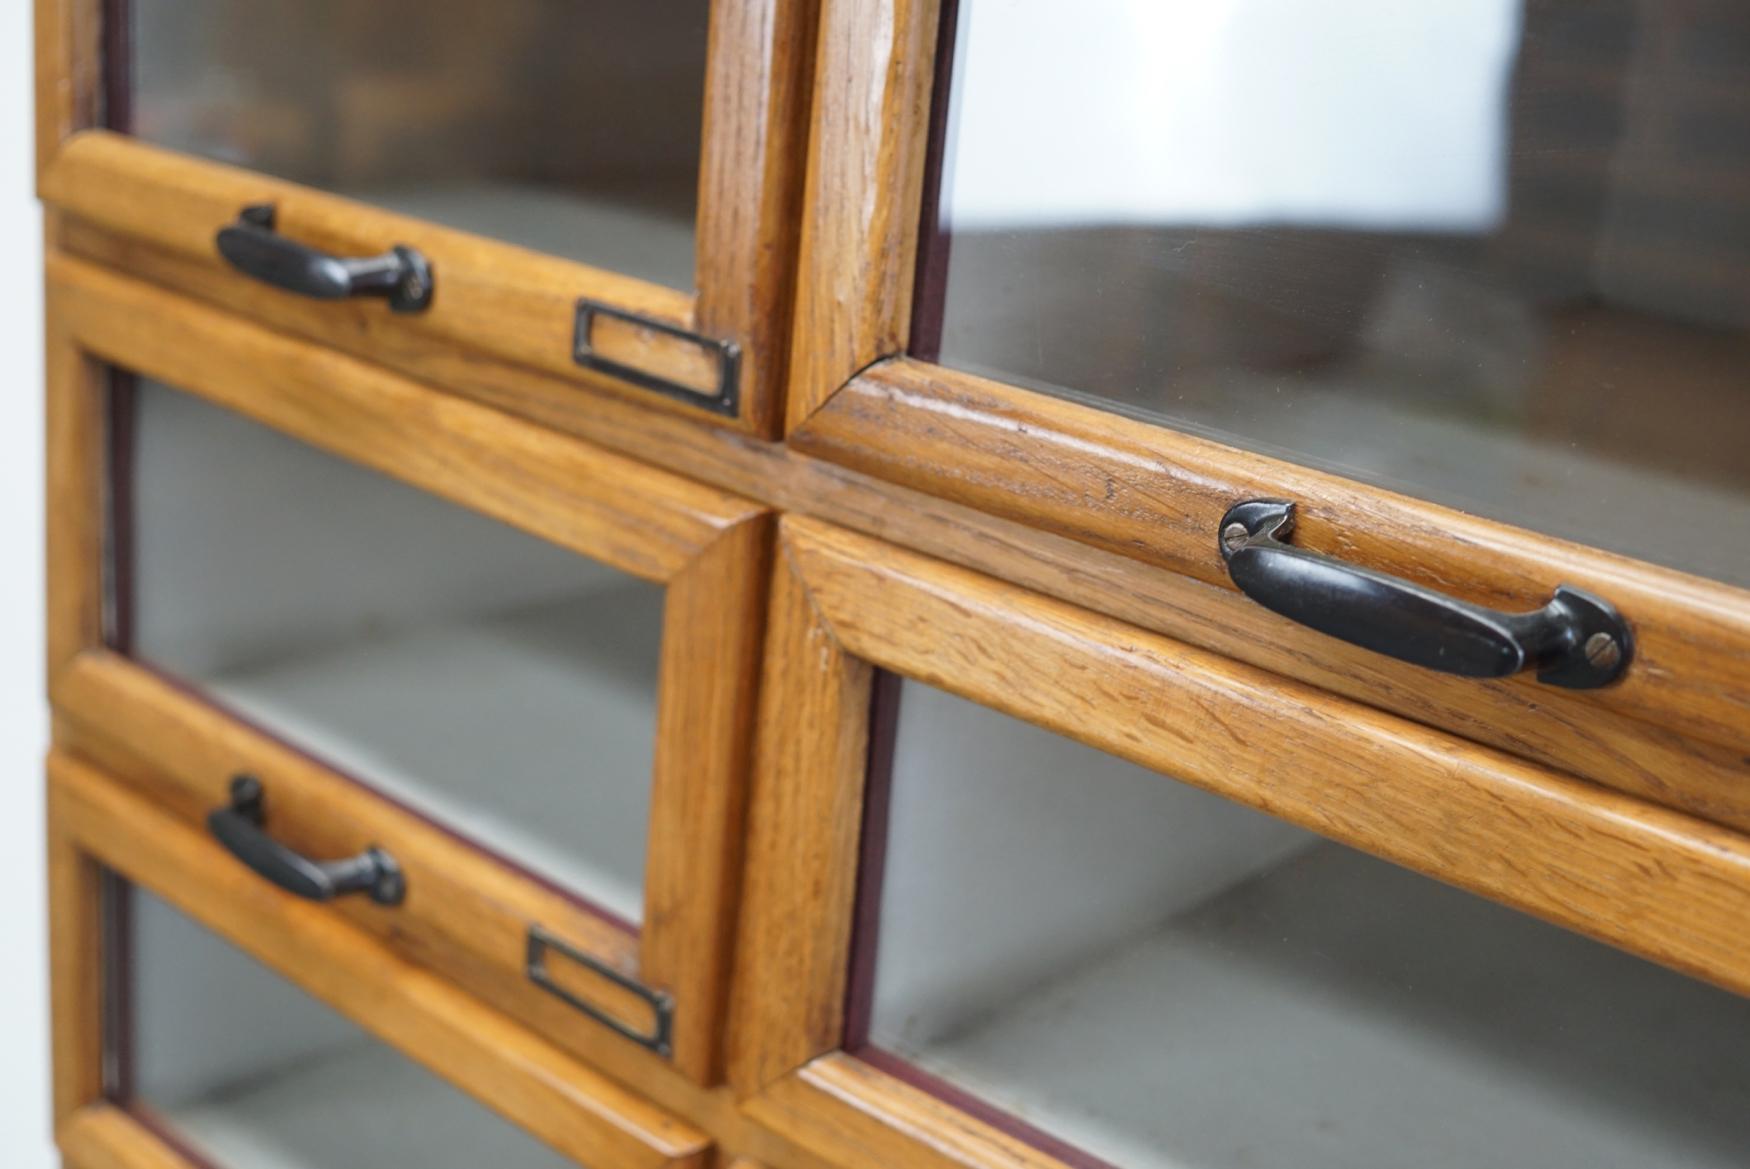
[{"x": 24, "y": 1054}]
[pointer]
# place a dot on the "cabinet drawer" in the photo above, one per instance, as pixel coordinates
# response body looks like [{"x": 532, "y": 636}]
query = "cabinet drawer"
[
  {"x": 500, "y": 680},
  {"x": 587, "y": 190},
  {"x": 1455, "y": 432},
  {"x": 202, "y": 1018},
  {"x": 1098, "y": 898}
]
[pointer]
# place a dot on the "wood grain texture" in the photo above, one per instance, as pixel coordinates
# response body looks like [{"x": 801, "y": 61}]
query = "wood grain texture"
[
  {"x": 512, "y": 1070},
  {"x": 494, "y": 300},
  {"x": 76, "y": 956},
  {"x": 69, "y": 73},
  {"x": 1529, "y": 719},
  {"x": 862, "y": 1118},
  {"x": 803, "y": 825},
  {"x": 492, "y": 303},
  {"x": 713, "y": 1109},
  {"x": 757, "y": 90},
  {"x": 713, "y": 617},
  {"x": 861, "y": 197},
  {"x": 1158, "y": 496},
  {"x": 102, "y": 1136},
  {"x": 1667, "y": 886},
  {"x": 634, "y": 517},
  {"x": 464, "y": 910},
  {"x": 74, "y": 494}
]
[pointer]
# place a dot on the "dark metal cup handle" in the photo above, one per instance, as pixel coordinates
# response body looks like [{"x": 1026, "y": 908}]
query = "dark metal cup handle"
[
  {"x": 1577, "y": 640},
  {"x": 253, "y": 247},
  {"x": 238, "y": 826}
]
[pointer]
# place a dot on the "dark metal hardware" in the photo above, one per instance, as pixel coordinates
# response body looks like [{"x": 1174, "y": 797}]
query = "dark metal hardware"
[
  {"x": 1577, "y": 640},
  {"x": 253, "y": 247},
  {"x": 238, "y": 826},
  {"x": 725, "y": 401},
  {"x": 660, "y": 1038}
]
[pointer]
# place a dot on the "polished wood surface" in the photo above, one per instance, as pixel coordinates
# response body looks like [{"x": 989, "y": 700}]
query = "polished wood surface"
[
  {"x": 1158, "y": 496},
  {"x": 757, "y": 90},
  {"x": 103, "y": 1136},
  {"x": 865, "y": 182},
  {"x": 1517, "y": 715},
  {"x": 1664, "y": 885},
  {"x": 494, "y": 300},
  {"x": 519, "y": 1074},
  {"x": 1145, "y": 492},
  {"x": 708, "y": 547},
  {"x": 802, "y": 835}
]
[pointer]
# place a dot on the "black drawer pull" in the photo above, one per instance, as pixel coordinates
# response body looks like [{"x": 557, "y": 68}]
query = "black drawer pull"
[
  {"x": 253, "y": 247},
  {"x": 238, "y": 826},
  {"x": 1577, "y": 640}
]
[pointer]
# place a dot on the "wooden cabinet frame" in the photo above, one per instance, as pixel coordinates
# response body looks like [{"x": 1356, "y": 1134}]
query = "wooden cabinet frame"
[
  {"x": 97, "y": 825},
  {"x": 503, "y": 318},
  {"x": 1677, "y": 726},
  {"x": 1660, "y": 883},
  {"x": 708, "y": 549}
]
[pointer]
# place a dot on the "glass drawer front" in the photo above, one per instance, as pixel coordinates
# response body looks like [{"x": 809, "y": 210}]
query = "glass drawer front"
[
  {"x": 250, "y": 1072},
  {"x": 567, "y": 126},
  {"x": 499, "y": 685},
  {"x": 1104, "y": 958},
  {"x": 1493, "y": 254}
]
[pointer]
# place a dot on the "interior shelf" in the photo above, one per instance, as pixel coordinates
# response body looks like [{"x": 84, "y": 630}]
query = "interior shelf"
[
  {"x": 1335, "y": 1012},
  {"x": 353, "y": 1105},
  {"x": 530, "y": 730}
]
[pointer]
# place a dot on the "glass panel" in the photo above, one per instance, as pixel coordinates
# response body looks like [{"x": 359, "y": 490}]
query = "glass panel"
[
  {"x": 1170, "y": 981},
  {"x": 255, "y": 1074},
  {"x": 568, "y": 126},
  {"x": 491, "y": 681},
  {"x": 1491, "y": 253}
]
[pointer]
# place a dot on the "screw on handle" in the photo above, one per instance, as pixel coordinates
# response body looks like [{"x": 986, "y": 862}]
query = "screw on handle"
[
  {"x": 241, "y": 827},
  {"x": 253, "y": 246},
  {"x": 1576, "y": 640}
]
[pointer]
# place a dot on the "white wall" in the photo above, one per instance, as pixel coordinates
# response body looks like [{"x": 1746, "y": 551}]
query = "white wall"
[{"x": 24, "y": 1097}]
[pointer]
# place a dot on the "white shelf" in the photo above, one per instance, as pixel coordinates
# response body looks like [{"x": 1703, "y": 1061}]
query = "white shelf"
[
  {"x": 531, "y": 731},
  {"x": 1336, "y": 1012},
  {"x": 356, "y": 1105}
]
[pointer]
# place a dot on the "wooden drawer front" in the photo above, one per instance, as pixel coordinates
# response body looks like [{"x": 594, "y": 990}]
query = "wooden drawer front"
[
  {"x": 202, "y": 1017},
  {"x": 584, "y": 190},
  {"x": 518, "y": 668},
  {"x": 1494, "y": 391},
  {"x": 1092, "y": 896}
]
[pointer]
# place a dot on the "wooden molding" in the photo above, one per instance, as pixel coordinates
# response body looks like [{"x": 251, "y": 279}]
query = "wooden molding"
[{"x": 866, "y": 157}]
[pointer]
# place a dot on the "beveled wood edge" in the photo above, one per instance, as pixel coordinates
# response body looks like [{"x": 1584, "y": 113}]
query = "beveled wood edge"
[
  {"x": 69, "y": 76},
  {"x": 75, "y": 964},
  {"x": 1525, "y": 718},
  {"x": 803, "y": 824},
  {"x": 1156, "y": 495},
  {"x": 714, "y": 618},
  {"x": 707, "y": 548},
  {"x": 1658, "y": 883},
  {"x": 183, "y": 750},
  {"x": 513, "y": 1071},
  {"x": 861, "y": 205},
  {"x": 864, "y": 1118},
  {"x": 862, "y": 193},
  {"x": 757, "y": 88},
  {"x": 492, "y": 298},
  {"x": 635, "y": 517},
  {"x": 105, "y": 1136}
]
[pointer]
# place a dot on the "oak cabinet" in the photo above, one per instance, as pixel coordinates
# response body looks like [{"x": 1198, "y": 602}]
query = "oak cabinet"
[{"x": 830, "y": 584}]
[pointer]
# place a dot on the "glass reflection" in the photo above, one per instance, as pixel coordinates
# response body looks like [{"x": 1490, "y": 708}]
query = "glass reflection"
[
  {"x": 565, "y": 126},
  {"x": 1490, "y": 253}
]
